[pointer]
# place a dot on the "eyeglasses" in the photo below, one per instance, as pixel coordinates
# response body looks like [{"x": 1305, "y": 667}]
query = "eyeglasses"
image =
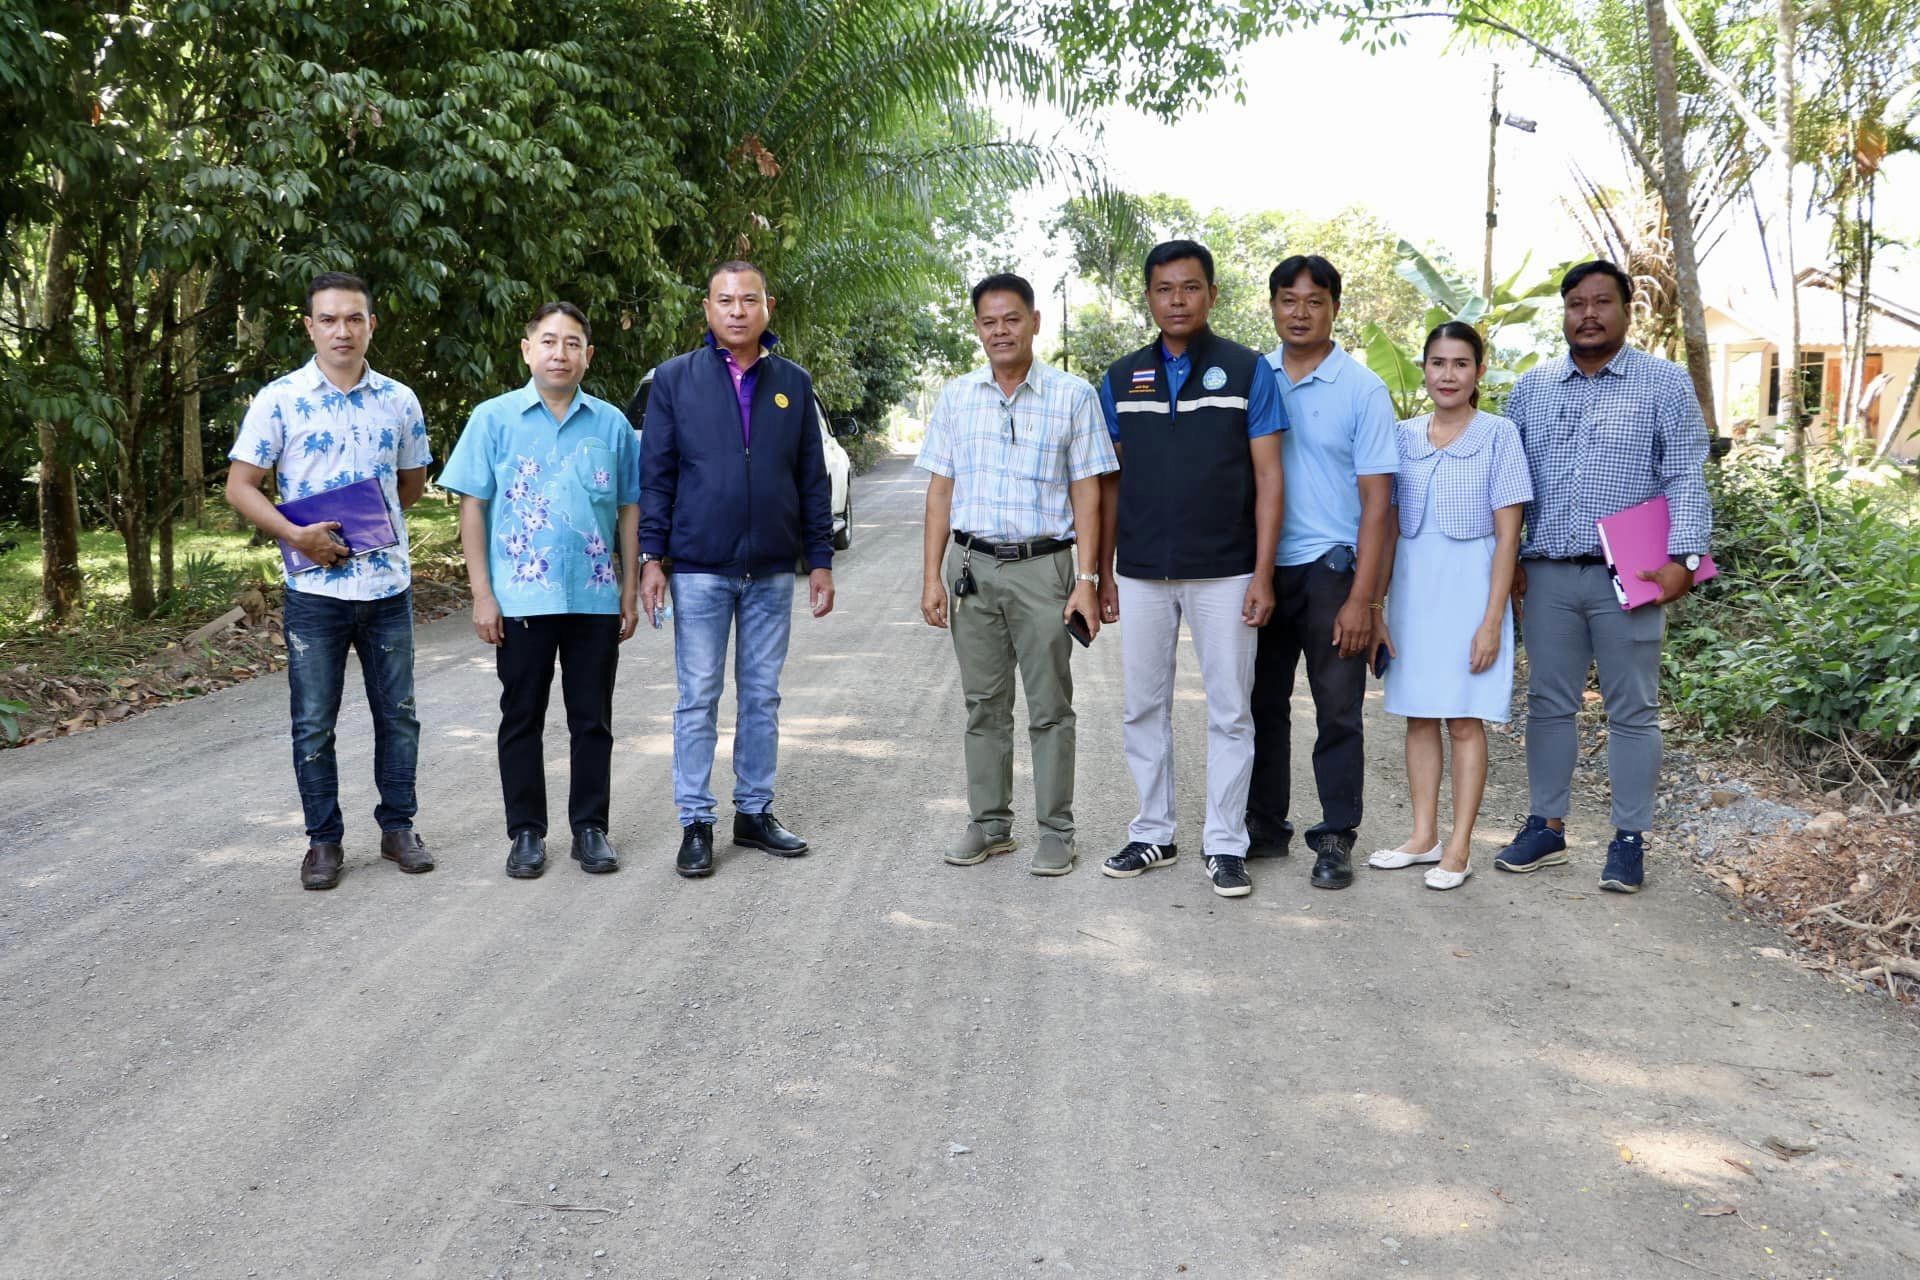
[{"x": 1006, "y": 420}]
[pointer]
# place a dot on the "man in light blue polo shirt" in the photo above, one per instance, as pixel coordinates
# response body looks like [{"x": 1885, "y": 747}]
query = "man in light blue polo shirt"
[
  {"x": 549, "y": 479},
  {"x": 1340, "y": 458}
]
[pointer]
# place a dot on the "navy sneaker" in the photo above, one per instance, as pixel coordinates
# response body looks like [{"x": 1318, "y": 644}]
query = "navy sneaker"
[
  {"x": 1229, "y": 876},
  {"x": 1537, "y": 845},
  {"x": 1626, "y": 863},
  {"x": 1138, "y": 856}
]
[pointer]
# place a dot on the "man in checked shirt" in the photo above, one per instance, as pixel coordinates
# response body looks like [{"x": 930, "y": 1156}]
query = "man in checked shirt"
[
  {"x": 1606, "y": 427},
  {"x": 1014, "y": 455}
]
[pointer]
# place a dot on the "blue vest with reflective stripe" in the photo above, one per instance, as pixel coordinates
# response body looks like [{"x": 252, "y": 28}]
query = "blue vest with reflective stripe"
[{"x": 1186, "y": 477}]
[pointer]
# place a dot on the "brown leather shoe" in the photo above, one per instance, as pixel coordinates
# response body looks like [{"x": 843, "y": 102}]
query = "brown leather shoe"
[
  {"x": 406, "y": 848},
  {"x": 320, "y": 869}
]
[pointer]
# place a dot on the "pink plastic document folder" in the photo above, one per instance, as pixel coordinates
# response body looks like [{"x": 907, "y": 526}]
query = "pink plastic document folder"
[
  {"x": 1636, "y": 539},
  {"x": 360, "y": 508}
]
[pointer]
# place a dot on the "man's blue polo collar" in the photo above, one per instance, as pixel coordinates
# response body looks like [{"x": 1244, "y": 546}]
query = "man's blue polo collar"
[{"x": 1328, "y": 370}]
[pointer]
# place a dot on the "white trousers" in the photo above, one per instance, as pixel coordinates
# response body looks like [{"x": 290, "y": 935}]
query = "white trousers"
[{"x": 1150, "y": 614}]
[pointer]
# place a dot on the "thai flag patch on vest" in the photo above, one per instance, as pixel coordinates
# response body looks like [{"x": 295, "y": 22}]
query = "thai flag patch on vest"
[{"x": 1142, "y": 380}]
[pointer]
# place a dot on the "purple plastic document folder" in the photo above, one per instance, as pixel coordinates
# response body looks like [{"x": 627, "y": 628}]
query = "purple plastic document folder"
[
  {"x": 361, "y": 509},
  {"x": 1636, "y": 539}
]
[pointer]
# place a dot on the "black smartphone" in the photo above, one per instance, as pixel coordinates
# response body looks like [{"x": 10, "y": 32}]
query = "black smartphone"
[
  {"x": 1381, "y": 661},
  {"x": 1077, "y": 628}
]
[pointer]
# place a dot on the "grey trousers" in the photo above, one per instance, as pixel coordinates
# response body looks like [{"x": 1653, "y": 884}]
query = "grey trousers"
[
  {"x": 1150, "y": 614},
  {"x": 1572, "y": 622},
  {"x": 1013, "y": 622}
]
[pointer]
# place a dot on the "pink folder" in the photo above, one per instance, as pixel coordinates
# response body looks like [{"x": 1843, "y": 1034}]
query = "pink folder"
[{"x": 1636, "y": 539}]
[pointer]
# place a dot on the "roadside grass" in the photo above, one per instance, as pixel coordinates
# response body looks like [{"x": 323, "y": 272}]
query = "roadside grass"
[
  {"x": 213, "y": 564},
  {"x": 206, "y": 559}
]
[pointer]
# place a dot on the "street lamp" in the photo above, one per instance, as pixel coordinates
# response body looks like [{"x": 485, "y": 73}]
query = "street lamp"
[{"x": 1494, "y": 121}]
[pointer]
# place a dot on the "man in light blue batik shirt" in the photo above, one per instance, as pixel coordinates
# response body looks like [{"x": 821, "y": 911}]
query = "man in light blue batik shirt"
[
  {"x": 331, "y": 423},
  {"x": 549, "y": 479}
]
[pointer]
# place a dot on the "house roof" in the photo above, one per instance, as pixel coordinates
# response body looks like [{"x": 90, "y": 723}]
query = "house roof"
[{"x": 1895, "y": 325}]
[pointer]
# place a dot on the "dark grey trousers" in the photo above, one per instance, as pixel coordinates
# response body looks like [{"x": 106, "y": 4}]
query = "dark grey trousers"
[{"x": 1572, "y": 622}]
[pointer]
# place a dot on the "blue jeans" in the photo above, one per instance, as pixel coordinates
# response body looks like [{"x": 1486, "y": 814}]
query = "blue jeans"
[
  {"x": 320, "y": 629},
  {"x": 706, "y": 607}
]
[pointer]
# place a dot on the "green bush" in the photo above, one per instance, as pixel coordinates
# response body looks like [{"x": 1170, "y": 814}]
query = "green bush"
[{"x": 1813, "y": 628}]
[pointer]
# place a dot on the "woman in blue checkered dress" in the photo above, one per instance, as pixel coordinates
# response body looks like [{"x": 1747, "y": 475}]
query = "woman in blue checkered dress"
[{"x": 1448, "y": 623}]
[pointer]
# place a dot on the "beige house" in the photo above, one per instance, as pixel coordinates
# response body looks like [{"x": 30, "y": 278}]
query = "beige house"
[{"x": 1740, "y": 333}]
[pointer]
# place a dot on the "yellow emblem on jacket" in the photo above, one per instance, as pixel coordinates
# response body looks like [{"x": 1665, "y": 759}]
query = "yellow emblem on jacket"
[{"x": 780, "y": 398}]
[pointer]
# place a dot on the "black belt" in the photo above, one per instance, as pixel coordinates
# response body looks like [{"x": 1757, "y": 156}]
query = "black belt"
[
  {"x": 1012, "y": 550},
  {"x": 1589, "y": 561}
]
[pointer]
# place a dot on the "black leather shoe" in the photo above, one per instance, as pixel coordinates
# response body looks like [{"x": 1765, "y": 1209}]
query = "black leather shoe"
[
  {"x": 320, "y": 869},
  {"x": 1267, "y": 838},
  {"x": 528, "y": 858},
  {"x": 1333, "y": 864},
  {"x": 696, "y": 851},
  {"x": 592, "y": 852},
  {"x": 763, "y": 831}
]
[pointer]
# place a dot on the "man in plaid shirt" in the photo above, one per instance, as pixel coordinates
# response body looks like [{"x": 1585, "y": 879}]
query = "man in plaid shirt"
[
  {"x": 1606, "y": 427},
  {"x": 1014, "y": 452}
]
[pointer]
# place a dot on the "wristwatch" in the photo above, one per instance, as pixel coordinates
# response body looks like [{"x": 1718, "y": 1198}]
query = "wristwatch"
[
  {"x": 1692, "y": 562},
  {"x": 1094, "y": 578},
  {"x": 647, "y": 557}
]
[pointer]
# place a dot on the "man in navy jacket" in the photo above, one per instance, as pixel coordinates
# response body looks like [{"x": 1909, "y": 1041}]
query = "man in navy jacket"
[{"x": 733, "y": 491}]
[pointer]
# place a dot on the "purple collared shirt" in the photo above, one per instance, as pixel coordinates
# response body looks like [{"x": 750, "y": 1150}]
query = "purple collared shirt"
[{"x": 744, "y": 381}]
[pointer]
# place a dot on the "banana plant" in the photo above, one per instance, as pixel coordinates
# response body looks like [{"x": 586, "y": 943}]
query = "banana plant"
[{"x": 1452, "y": 299}]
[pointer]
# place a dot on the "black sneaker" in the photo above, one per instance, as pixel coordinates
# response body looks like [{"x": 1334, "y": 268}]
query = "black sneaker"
[
  {"x": 1229, "y": 876},
  {"x": 1137, "y": 857}
]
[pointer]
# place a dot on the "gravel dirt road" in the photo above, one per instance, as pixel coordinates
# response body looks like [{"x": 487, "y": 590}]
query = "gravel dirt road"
[{"x": 866, "y": 1062}]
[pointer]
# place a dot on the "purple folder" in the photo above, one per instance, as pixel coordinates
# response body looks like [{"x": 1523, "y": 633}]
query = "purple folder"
[{"x": 361, "y": 509}]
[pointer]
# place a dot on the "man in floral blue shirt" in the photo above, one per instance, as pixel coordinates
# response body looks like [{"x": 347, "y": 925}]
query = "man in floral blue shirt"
[
  {"x": 549, "y": 479},
  {"x": 330, "y": 423}
]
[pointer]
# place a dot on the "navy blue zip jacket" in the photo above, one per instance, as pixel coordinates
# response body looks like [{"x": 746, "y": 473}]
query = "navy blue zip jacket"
[{"x": 715, "y": 503}]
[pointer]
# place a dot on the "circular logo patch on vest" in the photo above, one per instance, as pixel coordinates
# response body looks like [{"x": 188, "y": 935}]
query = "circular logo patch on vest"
[
  {"x": 1214, "y": 378},
  {"x": 780, "y": 397}
]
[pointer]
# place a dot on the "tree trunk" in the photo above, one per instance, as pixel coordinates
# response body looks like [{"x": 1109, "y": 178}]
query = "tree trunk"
[
  {"x": 169, "y": 478},
  {"x": 60, "y": 581},
  {"x": 1675, "y": 194},
  {"x": 193, "y": 467},
  {"x": 1863, "y": 308},
  {"x": 1789, "y": 414},
  {"x": 1896, "y": 425}
]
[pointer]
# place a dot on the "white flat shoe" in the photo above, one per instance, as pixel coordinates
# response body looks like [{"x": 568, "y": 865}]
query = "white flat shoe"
[
  {"x": 1393, "y": 859},
  {"x": 1441, "y": 878}
]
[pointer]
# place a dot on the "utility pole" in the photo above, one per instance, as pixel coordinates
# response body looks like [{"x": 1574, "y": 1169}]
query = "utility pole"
[{"x": 1493, "y": 218}]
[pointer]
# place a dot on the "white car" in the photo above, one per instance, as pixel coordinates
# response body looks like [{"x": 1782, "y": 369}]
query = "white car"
[{"x": 839, "y": 466}]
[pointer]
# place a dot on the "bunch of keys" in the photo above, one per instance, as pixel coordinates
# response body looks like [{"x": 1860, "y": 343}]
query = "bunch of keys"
[{"x": 964, "y": 585}]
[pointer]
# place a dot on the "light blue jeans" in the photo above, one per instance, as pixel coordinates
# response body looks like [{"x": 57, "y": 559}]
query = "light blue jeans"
[{"x": 706, "y": 608}]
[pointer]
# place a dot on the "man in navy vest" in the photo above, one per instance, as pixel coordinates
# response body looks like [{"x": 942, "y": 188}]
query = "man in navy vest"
[
  {"x": 734, "y": 490},
  {"x": 1193, "y": 513}
]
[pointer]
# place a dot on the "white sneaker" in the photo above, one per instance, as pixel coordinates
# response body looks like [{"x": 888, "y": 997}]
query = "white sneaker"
[
  {"x": 1394, "y": 859},
  {"x": 1441, "y": 878}
]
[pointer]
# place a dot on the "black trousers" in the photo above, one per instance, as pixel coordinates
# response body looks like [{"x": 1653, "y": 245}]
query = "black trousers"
[
  {"x": 588, "y": 646},
  {"x": 1307, "y": 597}
]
